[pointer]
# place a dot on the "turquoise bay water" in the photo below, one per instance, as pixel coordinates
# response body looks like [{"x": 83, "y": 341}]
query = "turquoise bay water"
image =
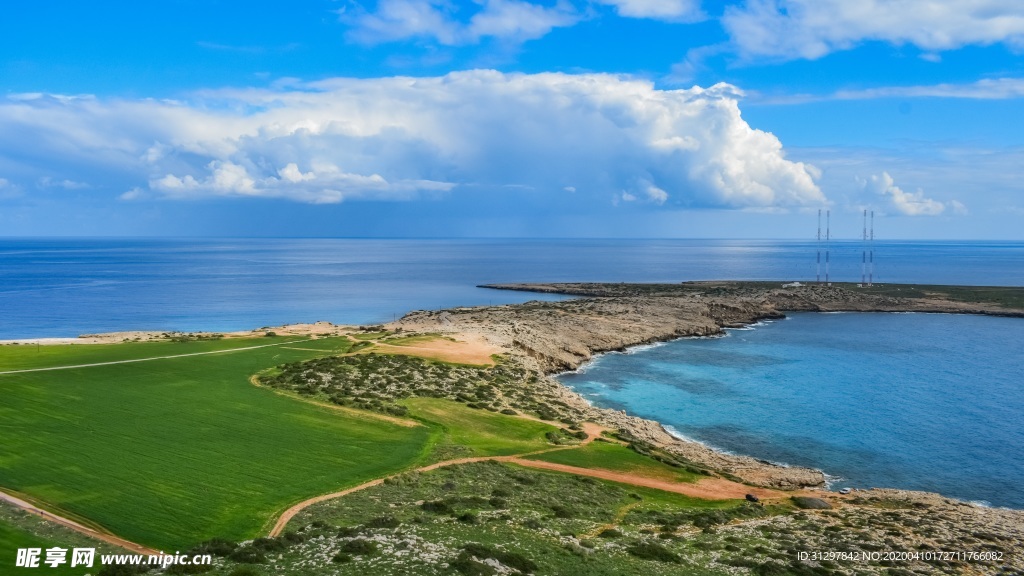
[{"x": 919, "y": 401}]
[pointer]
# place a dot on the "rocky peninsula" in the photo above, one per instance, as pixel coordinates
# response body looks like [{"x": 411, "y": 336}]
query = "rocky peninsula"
[{"x": 553, "y": 337}]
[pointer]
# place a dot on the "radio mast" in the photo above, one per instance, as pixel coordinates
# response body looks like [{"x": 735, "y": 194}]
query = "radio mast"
[
  {"x": 871, "y": 251},
  {"x": 817, "y": 277},
  {"x": 864, "y": 252},
  {"x": 828, "y": 243}
]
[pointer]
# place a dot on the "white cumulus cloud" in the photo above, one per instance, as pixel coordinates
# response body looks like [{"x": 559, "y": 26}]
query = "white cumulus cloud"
[
  {"x": 442, "y": 22},
  {"x": 667, "y": 10},
  {"x": 907, "y": 203},
  {"x": 810, "y": 29},
  {"x": 400, "y": 138}
]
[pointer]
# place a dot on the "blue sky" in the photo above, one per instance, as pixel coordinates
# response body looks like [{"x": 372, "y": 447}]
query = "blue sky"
[{"x": 619, "y": 118}]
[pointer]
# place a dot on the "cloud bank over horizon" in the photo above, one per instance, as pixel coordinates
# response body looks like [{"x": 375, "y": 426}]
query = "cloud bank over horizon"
[{"x": 607, "y": 138}]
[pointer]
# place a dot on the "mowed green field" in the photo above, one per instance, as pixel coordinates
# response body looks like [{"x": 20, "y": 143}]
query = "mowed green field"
[
  {"x": 28, "y": 356},
  {"x": 481, "y": 432},
  {"x": 617, "y": 458},
  {"x": 174, "y": 451}
]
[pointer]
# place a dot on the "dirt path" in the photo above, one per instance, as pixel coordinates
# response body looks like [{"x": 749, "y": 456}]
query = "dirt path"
[
  {"x": 619, "y": 516},
  {"x": 708, "y": 489},
  {"x": 152, "y": 358},
  {"x": 72, "y": 525},
  {"x": 593, "y": 431}
]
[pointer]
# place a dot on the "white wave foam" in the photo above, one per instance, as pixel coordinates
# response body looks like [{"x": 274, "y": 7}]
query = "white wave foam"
[
  {"x": 831, "y": 481},
  {"x": 755, "y": 325},
  {"x": 641, "y": 348},
  {"x": 677, "y": 434}
]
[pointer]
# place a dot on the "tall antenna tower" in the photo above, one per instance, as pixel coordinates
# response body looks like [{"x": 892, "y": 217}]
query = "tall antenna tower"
[
  {"x": 864, "y": 252},
  {"x": 828, "y": 242},
  {"x": 818, "y": 273},
  {"x": 871, "y": 249}
]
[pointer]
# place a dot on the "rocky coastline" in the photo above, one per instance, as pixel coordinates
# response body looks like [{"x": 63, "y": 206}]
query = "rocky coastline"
[{"x": 554, "y": 337}]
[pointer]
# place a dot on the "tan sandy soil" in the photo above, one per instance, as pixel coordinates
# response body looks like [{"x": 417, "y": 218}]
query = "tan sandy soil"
[
  {"x": 466, "y": 349},
  {"x": 707, "y": 489}
]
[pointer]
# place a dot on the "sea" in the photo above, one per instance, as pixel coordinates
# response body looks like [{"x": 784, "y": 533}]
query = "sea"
[{"x": 931, "y": 402}]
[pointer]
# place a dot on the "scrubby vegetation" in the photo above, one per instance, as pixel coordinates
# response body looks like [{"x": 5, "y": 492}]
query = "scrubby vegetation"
[
  {"x": 489, "y": 518},
  {"x": 379, "y": 381}
]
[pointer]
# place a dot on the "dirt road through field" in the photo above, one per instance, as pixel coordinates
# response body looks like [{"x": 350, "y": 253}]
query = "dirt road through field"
[{"x": 71, "y": 524}]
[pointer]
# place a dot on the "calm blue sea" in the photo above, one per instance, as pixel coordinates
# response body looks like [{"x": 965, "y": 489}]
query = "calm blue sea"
[
  {"x": 921, "y": 401},
  {"x": 67, "y": 287}
]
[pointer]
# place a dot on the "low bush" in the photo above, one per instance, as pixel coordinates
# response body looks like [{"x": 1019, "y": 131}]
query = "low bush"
[
  {"x": 652, "y": 551},
  {"x": 360, "y": 547}
]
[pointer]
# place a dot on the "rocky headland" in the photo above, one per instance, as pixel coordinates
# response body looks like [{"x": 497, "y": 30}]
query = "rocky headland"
[{"x": 553, "y": 337}]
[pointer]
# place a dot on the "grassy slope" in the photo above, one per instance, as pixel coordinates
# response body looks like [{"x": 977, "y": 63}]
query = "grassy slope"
[
  {"x": 608, "y": 456},
  {"x": 170, "y": 452},
  {"x": 483, "y": 433}
]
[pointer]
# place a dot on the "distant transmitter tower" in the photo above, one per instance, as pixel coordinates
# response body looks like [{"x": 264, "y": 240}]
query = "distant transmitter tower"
[
  {"x": 871, "y": 251},
  {"x": 864, "y": 252},
  {"x": 828, "y": 243},
  {"x": 817, "y": 277}
]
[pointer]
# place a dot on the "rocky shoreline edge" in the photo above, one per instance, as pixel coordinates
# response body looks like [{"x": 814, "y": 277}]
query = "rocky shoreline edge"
[{"x": 555, "y": 337}]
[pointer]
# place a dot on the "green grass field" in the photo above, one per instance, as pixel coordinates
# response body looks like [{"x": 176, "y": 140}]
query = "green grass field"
[
  {"x": 481, "y": 432},
  {"x": 26, "y": 356},
  {"x": 171, "y": 452},
  {"x": 608, "y": 456}
]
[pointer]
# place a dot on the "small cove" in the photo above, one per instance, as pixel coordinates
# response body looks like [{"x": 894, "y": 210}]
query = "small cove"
[{"x": 919, "y": 401}]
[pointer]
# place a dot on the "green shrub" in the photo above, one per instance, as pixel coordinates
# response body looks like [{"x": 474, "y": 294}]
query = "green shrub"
[
  {"x": 562, "y": 512},
  {"x": 215, "y": 547},
  {"x": 437, "y": 507},
  {"x": 360, "y": 546},
  {"x": 248, "y": 555},
  {"x": 465, "y": 565},
  {"x": 384, "y": 522},
  {"x": 513, "y": 560},
  {"x": 349, "y": 531},
  {"x": 652, "y": 551},
  {"x": 269, "y": 544}
]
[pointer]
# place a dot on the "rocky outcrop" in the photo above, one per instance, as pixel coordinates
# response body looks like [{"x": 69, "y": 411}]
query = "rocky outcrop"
[{"x": 553, "y": 337}]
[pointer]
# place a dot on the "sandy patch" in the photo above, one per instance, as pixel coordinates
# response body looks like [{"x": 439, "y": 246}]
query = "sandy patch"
[
  {"x": 465, "y": 349},
  {"x": 707, "y": 489}
]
